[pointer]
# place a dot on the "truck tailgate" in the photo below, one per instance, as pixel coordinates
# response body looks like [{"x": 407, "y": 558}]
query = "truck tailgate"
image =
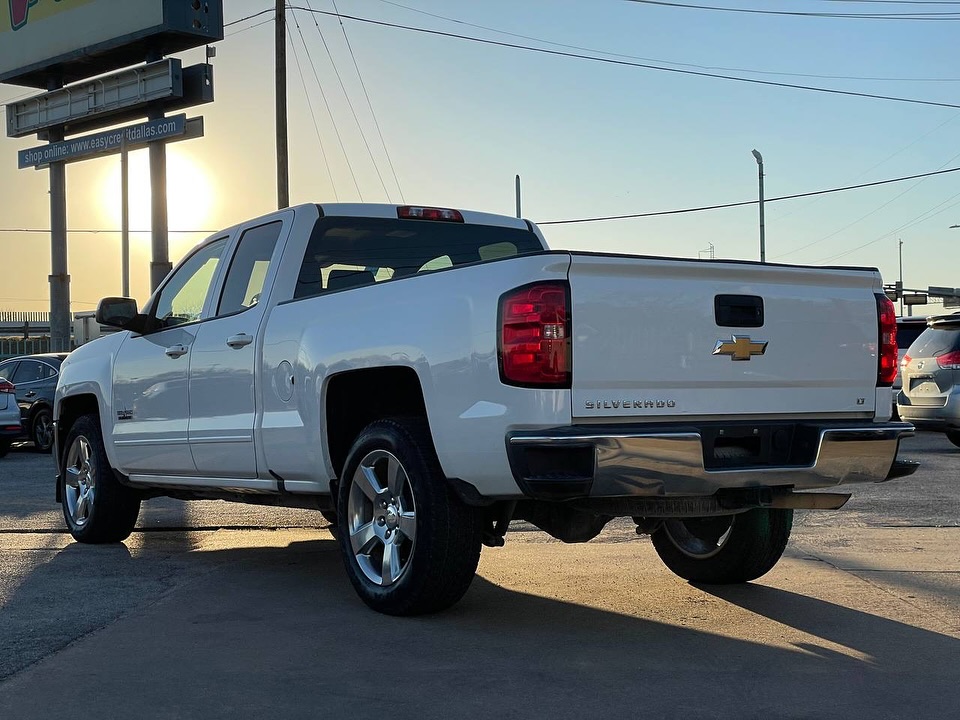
[{"x": 659, "y": 338}]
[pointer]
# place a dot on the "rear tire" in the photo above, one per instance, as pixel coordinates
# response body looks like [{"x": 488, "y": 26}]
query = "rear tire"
[
  {"x": 409, "y": 545},
  {"x": 724, "y": 550},
  {"x": 41, "y": 430},
  {"x": 96, "y": 507},
  {"x": 953, "y": 436},
  {"x": 4, "y": 447}
]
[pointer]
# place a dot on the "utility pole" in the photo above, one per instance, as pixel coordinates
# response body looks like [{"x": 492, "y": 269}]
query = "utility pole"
[
  {"x": 901, "y": 278},
  {"x": 763, "y": 245},
  {"x": 283, "y": 168}
]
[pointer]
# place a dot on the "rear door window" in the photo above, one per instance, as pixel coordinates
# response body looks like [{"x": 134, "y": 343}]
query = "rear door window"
[{"x": 29, "y": 371}]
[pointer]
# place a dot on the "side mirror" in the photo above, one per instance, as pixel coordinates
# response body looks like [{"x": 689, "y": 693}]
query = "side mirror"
[{"x": 119, "y": 312}]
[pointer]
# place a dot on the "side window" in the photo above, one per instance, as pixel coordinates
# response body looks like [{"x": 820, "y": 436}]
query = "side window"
[
  {"x": 29, "y": 371},
  {"x": 7, "y": 370},
  {"x": 182, "y": 299},
  {"x": 248, "y": 269}
]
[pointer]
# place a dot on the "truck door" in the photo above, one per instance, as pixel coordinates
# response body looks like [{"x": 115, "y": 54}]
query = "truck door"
[
  {"x": 223, "y": 392},
  {"x": 150, "y": 373}
]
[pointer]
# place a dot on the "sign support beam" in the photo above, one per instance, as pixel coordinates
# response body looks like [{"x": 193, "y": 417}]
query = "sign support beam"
[
  {"x": 160, "y": 265},
  {"x": 59, "y": 277}
]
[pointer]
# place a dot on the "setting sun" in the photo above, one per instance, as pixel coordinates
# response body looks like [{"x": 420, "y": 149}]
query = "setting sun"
[{"x": 190, "y": 196}]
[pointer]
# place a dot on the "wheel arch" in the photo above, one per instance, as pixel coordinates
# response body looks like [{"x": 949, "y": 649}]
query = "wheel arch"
[
  {"x": 355, "y": 398},
  {"x": 70, "y": 410}
]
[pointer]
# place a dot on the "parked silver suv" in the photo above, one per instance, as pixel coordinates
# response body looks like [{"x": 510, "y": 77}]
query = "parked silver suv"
[{"x": 930, "y": 375}]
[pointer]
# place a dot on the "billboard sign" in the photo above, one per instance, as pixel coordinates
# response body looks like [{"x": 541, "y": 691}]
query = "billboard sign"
[
  {"x": 69, "y": 40},
  {"x": 111, "y": 141}
]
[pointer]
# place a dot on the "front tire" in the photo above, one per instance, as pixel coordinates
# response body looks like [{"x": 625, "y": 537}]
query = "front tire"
[
  {"x": 724, "y": 550},
  {"x": 953, "y": 436},
  {"x": 409, "y": 545},
  {"x": 41, "y": 430},
  {"x": 96, "y": 507}
]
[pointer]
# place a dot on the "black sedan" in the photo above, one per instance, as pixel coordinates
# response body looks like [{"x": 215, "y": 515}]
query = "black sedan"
[{"x": 35, "y": 378}]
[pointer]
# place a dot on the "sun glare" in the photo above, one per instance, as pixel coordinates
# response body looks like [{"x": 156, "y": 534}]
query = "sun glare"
[{"x": 190, "y": 196}]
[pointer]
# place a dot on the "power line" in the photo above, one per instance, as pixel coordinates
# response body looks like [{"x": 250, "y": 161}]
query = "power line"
[
  {"x": 313, "y": 115},
  {"x": 920, "y": 218},
  {"x": 97, "y": 231},
  {"x": 748, "y": 202},
  {"x": 625, "y": 63},
  {"x": 248, "y": 17},
  {"x": 346, "y": 95},
  {"x": 864, "y": 217},
  {"x": 373, "y": 113},
  {"x": 934, "y": 16},
  {"x": 664, "y": 62},
  {"x": 326, "y": 104},
  {"x": 606, "y": 217}
]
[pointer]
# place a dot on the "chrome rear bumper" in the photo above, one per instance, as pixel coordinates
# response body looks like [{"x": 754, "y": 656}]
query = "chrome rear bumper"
[{"x": 613, "y": 462}]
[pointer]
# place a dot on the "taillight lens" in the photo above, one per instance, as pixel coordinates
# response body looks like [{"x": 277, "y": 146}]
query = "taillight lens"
[
  {"x": 535, "y": 336},
  {"x": 6, "y": 386},
  {"x": 409, "y": 212},
  {"x": 887, "y": 363},
  {"x": 950, "y": 360},
  {"x": 906, "y": 361}
]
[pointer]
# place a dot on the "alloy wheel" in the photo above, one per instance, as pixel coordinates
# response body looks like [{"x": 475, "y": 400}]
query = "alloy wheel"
[
  {"x": 80, "y": 481},
  {"x": 381, "y": 518}
]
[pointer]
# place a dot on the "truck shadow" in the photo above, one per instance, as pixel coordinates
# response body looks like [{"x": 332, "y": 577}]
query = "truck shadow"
[{"x": 281, "y": 628}]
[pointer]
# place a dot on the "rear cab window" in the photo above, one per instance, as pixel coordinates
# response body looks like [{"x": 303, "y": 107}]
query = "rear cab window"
[{"x": 345, "y": 252}]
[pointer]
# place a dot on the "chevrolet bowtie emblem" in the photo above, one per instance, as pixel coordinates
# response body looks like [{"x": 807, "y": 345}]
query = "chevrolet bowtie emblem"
[{"x": 741, "y": 347}]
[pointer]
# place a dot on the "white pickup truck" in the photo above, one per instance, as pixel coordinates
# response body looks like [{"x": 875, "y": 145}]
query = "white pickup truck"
[{"x": 423, "y": 376}]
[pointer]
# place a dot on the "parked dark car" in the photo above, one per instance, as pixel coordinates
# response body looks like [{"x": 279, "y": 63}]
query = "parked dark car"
[{"x": 35, "y": 378}]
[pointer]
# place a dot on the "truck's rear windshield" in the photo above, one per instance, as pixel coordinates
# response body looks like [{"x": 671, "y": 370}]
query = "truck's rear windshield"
[{"x": 346, "y": 252}]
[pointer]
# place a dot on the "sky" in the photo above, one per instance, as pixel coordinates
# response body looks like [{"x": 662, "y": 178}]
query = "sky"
[{"x": 450, "y": 122}]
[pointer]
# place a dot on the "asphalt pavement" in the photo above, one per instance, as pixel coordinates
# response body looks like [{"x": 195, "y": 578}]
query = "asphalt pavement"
[{"x": 214, "y": 609}]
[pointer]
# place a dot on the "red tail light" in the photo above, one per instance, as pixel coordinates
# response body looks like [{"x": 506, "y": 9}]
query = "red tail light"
[
  {"x": 887, "y": 360},
  {"x": 535, "y": 336},
  {"x": 906, "y": 361},
  {"x": 950, "y": 360},
  {"x": 6, "y": 386}
]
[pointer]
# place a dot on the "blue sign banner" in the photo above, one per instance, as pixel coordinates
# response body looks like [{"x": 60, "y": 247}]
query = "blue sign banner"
[{"x": 103, "y": 143}]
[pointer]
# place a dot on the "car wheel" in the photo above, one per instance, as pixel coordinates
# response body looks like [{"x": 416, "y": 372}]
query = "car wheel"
[
  {"x": 409, "y": 545},
  {"x": 726, "y": 549},
  {"x": 97, "y": 508},
  {"x": 41, "y": 430},
  {"x": 954, "y": 437},
  {"x": 4, "y": 447}
]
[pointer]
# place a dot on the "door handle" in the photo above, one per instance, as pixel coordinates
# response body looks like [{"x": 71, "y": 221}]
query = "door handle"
[
  {"x": 29, "y": 394},
  {"x": 239, "y": 341},
  {"x": 176, "y": 351}
]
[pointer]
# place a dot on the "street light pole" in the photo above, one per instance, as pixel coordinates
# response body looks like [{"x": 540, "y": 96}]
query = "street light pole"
[{"x": 763, "y": 243}]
